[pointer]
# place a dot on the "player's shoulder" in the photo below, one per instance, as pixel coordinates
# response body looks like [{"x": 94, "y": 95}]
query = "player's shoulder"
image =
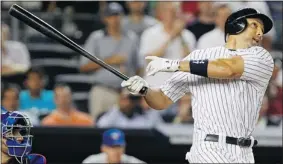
[
  {"x": 257, "y": 50},
  {"x": 95, "y": 158},
  {"x": 197, "y": 53},
  {"x": 36, "y": 159},
  {"x": 260, "y": 52},
  {"x": 205, "y": 50}
]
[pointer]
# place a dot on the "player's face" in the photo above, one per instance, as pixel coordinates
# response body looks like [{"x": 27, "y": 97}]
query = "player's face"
[
  {"x": 114, "y": 153},
  {"x": 16, "y": 135},
  {"x": 4, "y": 148},
  {"x": 253, "y": 33}
]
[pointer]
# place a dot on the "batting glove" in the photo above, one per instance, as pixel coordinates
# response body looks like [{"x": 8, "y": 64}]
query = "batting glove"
[
  {"x": 135, "y": 84},
  {"x": 158, "y": 64}
]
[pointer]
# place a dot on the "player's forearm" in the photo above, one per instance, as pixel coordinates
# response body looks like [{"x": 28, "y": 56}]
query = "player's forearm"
[
  {"x": 218, "y": 69},
  {"x": 156, "y": 99}
]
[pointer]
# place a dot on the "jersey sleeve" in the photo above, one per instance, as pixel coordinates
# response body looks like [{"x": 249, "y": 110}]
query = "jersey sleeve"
[
  {"x": 176, "y": 86},
  {"x": 258, "y": 67}
]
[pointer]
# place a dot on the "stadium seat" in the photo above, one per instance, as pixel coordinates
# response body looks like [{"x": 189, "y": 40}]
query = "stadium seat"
[
  {"x": 43, "y": 51},
  {"x": 77, "y": 82},
  {"x": 80, "y": 100},
  {"x": 54, "y": 67}
]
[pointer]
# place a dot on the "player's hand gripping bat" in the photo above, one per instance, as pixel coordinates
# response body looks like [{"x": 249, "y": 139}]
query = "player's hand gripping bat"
[{"x": 46, "y": 29}]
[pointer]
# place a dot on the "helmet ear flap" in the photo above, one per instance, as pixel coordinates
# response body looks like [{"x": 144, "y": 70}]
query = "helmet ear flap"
[
  {"x": 235, "y": 27},
  {"x": 240, "y": 25}
]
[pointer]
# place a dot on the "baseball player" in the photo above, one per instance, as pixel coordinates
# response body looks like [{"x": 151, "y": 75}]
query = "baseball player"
[
  {"x": 113, "y": 148},
  {"x": 16, "y": 141},
  {"x": 227, "y": 84}
]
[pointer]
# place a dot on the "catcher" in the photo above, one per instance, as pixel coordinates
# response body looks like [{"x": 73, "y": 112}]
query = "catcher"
[{"x": 16, "y": 142}]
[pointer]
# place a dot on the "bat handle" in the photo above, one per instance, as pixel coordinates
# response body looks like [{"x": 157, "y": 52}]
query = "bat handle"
[{"x": 143, "y": 90}]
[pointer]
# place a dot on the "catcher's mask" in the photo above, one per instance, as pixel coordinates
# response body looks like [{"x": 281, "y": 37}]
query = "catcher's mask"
[{"x": 15, "y": 125}]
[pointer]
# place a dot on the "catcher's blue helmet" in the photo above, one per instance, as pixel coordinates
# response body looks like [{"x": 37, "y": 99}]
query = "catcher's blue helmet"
[{"x": 15, "y": 125}]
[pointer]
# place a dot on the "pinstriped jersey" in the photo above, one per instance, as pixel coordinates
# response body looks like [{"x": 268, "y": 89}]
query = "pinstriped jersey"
[{"x": 225, "y": 106}]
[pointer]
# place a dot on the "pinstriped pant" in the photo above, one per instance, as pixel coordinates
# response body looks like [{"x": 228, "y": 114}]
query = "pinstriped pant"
[{"x": 217, "y": 152}]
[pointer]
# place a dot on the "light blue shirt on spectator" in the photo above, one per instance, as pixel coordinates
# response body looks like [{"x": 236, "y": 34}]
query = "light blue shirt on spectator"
[{"x": 44, "y": 104}]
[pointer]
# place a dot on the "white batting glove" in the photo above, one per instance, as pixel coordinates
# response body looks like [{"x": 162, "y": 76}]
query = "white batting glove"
[
  {"x": 135, "y": 84},
  {"x": 158, "y": 64}
]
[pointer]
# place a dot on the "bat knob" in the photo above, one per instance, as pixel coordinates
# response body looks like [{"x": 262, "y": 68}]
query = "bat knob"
[{"x": 143, "y": 90}]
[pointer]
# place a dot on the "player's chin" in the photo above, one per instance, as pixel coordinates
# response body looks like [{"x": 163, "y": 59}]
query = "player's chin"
[
  {"x": 255, "y": 43},
  {"x": 252, "y": 43}
]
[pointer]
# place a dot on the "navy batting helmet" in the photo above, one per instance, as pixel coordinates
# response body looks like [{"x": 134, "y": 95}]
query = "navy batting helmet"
[{"x": 237, "y": 22}]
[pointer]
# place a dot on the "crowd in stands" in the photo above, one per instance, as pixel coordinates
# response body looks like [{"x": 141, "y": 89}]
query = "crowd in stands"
[{"x": 168, "y": 29}]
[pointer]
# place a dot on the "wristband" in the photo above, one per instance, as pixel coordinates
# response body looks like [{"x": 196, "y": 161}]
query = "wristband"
[{"x": 199, "y": 67}]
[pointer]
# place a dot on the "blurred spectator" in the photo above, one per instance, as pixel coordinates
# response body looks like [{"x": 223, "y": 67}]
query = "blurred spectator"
[
  {"x": 53, "y": 8},
  {"x": 153, "y": 116},
  {"x": 262, "y": 121},
  {"x": 168, "y": 39},
  {"x": 53, "y": 16},
  {"x": 10, "y": 101},
  {"x": 69, "y": 27},
  {"x": 15, "y": 55},
  {"x": 261, "y": 6},
  {"x": 66, "y": 114},
  {"x": 115, "y": 48},
  {"x": 216, "y": 36},
  {"x": 36, "y": 99},
  {"x": 10, "y": 97},
  {"x": 204, "y": 21},
  {"x": 184, "y": 111},
  {"x": 274, "y": 92},
  {"x": 124, "y": 115},
  {"x": 276, "y": 9},
  {"x": 31, "y": 5},
  {"x": 190, "y": 10},
  {"x": 137, "y": 21},
  {"x": 113, "y": 149}
]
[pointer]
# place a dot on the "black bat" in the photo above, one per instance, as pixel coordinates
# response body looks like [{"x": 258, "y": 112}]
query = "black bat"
[{"x": 46, "y": 29}]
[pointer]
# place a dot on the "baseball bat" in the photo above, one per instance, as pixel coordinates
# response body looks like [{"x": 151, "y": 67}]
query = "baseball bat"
[{"x": 46, "y": 29}]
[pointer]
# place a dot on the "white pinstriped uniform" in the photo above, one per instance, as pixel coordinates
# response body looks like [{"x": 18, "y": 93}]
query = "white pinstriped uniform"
[{"x": 223, "y": 107}]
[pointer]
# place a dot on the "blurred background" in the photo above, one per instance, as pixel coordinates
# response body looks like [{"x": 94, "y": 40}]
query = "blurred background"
[{"x": 72, "y": 100}]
